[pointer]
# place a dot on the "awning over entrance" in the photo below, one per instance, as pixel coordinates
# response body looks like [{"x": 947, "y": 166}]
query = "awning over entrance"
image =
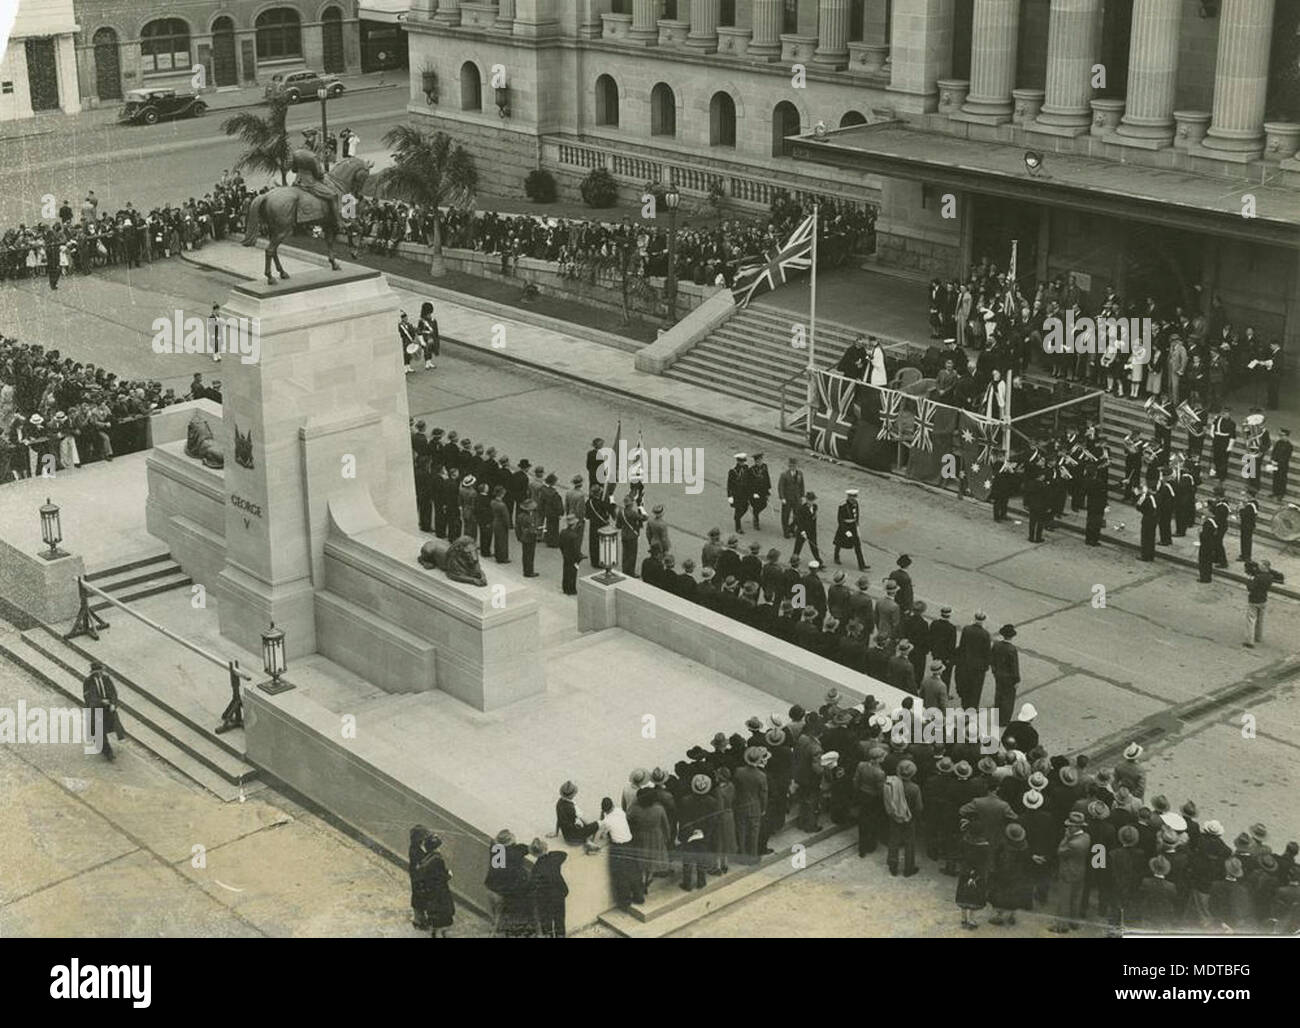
[
  {"x": 390, "y": 11},
  {"x": 1161, "y": 195}
]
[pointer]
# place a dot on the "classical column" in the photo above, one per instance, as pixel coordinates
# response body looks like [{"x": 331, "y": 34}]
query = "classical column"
[
  {"x": 767, "y": 29},
  {"x": 994, "y": 34},
  {"x": 1152, "y": 73},
  {"x": 1241, "y": 76},
  {"x": 448, "y": 12},
  {"x": 505, "y": 15},
  {"x": 921, "y": 50},
  {"x": 832, "y": 34},
  {"x": 704, "y": 26},
  {"x": 1073, "y": 47},
  {"x": 645, "y": 22}
]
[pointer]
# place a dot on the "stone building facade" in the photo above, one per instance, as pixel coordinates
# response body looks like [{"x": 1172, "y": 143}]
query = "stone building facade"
[
  {"x": 137, "y": 44},
  {"x": 1155, "y": 168},
  {"x": 38, "y": 70}
]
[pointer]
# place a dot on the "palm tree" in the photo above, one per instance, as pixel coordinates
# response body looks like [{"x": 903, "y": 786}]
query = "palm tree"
[
  {"x": 429, "y": 169},
  {"x": 267, "y": 139}
]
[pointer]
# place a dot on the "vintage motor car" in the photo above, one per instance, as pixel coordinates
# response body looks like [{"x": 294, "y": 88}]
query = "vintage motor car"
[
  {"x": 302, "y": 85},
  {"x": 150, "y": 106}
]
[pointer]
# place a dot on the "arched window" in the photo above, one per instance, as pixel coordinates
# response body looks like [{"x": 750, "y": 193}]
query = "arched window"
[
  {"x": 331, "y": 28},
  {"x": 853, "y": 118},
  {"x": 785, "y": 122},
  {"x": 722, "y": 120},
  {"x": 279, "y": 34},
  {"x": 663, "y": 111},
  {"x": 471, "y": 87},
  {"x": 165, "y": 46},
  {"x": 606, "y": 101}
]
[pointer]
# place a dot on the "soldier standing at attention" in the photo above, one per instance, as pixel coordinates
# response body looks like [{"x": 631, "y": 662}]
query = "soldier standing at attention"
[
  {"x": 1184, "y": 500},
  {"x": 526, "y": 531},
  {"x": 1209, "y": 545},
  {"x": 1146, "y": 506},
  {"x": 628, "y": 521},
  {"x": 571, "y": 552},
  {"x": 738, "y": 491},
  {"x": 1165, "y": 498}
]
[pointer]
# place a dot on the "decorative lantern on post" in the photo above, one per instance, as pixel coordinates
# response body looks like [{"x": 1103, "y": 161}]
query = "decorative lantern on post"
[
  {"x": 51, "y": 530},
  {"x": 503, "y": 101},
  {"x": 672, "y": 200},
  {"x": 273, "y": 662},
  {"x": 607, "y": 541}
]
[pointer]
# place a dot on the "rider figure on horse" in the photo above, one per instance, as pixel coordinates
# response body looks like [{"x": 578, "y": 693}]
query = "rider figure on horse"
[{"x": 310, "y": 178}]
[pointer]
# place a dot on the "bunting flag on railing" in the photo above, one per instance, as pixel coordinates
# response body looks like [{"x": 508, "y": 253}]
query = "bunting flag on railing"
[
  {"x": 891, "y": 405},
  {"x": 923, "y": 429},
  {"x": 831, "y": 423}
]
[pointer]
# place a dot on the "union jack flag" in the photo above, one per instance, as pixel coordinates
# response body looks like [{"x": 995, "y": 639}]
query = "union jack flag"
[
  {"x": 755, "y": 276},
  {"x": 891, "y": 404},
  {"x": 830, "y": 424},
  {"x": 923, "y": 433}
]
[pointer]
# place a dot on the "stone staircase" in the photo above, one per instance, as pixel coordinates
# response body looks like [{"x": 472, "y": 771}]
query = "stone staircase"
[
  {"x": 139, "y": 579},
  {"x": 750, "y": 355},
  {"x": 163, "y": 722}
]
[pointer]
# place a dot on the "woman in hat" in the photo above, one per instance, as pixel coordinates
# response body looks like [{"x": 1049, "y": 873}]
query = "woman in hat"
[
  {"x": 1011, "y": 884},
  {"x": 569, "y": 822},
  {"x": 507, "y": 885},
  {"x": 431, "y": 897},
  {"x": 647, "y": 818},
  {"x": 972, "y": 878},
  {"x": 548, "y": 890}
]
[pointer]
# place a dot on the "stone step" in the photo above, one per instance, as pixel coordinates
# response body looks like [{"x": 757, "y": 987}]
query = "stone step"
[
  {"x": 107, "y": 574},
  {"x": 117, "y": 580},
  {"x": 187, "y": 722},
  {"x": 675, "y": 912},
  {"x": 163, "y": 582},
  {"x": 140, "y": 730}
]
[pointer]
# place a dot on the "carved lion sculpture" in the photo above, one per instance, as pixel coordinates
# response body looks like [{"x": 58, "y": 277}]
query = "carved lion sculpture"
[
  {"x": 200, "y": 444},
  {"x": 459, "y": 561}
]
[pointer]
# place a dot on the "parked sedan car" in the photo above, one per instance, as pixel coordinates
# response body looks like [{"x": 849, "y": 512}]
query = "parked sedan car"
[
  {"x": 154, "y": 105},
  {"x": 302, "y": 85}
]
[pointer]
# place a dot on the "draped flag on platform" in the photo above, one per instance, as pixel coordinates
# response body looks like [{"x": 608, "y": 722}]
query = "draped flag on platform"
[
  {"x": 981, "y": 449},
  {"x": 758, "y": 275},
  {"x": 831, "y": 421},
  {"x": 931, "y": 441}
]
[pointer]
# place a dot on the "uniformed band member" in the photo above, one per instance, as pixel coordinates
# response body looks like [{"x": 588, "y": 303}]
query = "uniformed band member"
[
  {"x": 1209, "y": 541},
  {"x": 1219, "y": 508},
  {"x": 1165, "y": 499},
  {"x": 1184, "y": 498},
  {"x": 846, "y": 532},
  {"x": 1223, "y": 430},
  {"x": 1004, "y": 485},
  {"x": 805, "y": 526},
  {"x": 406, "y": 337},
  {"x": 1248, "y": 514},
  {"x": 1281, "y": 457},
  {"x": 738, "y": 491},
  {"x": 1149, "y": 510},
  {"x": 599, "y": 513},
  {"x": 1036, "y": 502},
  {"x": 1096, "y": 503}
]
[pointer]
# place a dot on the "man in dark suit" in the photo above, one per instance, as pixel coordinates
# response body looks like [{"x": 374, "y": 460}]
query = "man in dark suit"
[
  {"x": 1165, "y": 499},
  {"x": 1004, "y": 659},
  {"x": 1281, "y": 456},
  {"x": 973, "y": 661},
  {"x": 594, "y": 462},
  {"x": 1248, "y": 515},
  {"x": 941, "y": 641},
  {"x": 847, "y": 519},
  {"x": 750, "y": 804},
  {"x": 1219, "y": 508},
  {"x": 760, "y": 487},
  {"x": 101, "y": 703},
  {"x": 1096, "y": 500},
  {"x": 1149, "y": 511},
  {"x": 805, "y": 526}
]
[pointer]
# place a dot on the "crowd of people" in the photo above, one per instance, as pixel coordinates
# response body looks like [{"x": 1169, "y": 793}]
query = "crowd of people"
[
  {"x": 580, "y": 246},
  {"x": 83, "y": 240},
  {"x": 1194, "y": 356}
]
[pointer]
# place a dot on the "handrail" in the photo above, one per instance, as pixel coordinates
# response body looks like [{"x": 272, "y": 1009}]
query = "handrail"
[
  {"x": 785, "y": 385},
  {"x": 232, "y": 666}
]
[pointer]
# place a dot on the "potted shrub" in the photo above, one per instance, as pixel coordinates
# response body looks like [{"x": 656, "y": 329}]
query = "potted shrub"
[
  {"x": 539, "y": 186},
  {"x": 599, "y": 189}
]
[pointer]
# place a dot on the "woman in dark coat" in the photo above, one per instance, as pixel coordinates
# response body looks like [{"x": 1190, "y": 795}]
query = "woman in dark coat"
[
  {"x": 507, "y": 880},
  {"x": 648, "y": 821},
  {"x": 431, "y": 897},
  {"x": 1011, "y": 884},
  {"x": 500, "y": 525},
  {"x": 972, "y": 879},
  {"x": 548, "y": 890}
]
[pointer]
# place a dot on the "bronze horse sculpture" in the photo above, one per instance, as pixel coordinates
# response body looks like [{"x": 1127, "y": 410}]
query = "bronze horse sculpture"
[{"x": 313, "y": 200}]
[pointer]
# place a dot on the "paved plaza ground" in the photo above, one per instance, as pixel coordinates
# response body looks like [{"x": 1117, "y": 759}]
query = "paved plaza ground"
[{"x": 1097, "y": 674}]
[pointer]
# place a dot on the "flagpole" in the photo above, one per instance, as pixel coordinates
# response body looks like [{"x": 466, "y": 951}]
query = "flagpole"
[{"x": 812, "y": 315}]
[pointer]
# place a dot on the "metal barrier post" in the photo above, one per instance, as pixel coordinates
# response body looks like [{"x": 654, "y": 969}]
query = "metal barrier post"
[
  {"x": 88, "y": 622},
  {"x": 233, "y": 715}
]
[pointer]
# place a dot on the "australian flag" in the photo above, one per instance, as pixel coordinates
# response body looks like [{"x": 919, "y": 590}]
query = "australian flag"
[{"x": 757, "y": 276}]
